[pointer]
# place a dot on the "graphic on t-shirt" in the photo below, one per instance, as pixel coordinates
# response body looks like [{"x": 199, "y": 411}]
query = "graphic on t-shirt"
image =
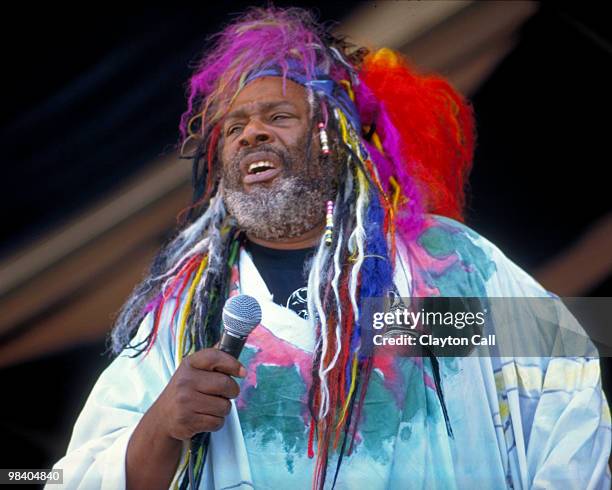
[{"x": 298, "y": 302}]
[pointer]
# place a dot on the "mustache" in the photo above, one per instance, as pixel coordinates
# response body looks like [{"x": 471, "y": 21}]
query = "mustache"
[{"x": 283, "y": 155}]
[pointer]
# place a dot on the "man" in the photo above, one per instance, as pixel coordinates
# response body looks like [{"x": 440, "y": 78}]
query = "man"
[{"x": 320, "y": 180}]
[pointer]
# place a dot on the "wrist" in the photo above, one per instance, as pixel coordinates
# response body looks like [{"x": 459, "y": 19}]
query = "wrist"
[{"x": 152, "y": 454}]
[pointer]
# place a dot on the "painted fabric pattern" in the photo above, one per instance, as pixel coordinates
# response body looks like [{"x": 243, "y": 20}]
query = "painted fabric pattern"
[{"x": 517, "y": 422}]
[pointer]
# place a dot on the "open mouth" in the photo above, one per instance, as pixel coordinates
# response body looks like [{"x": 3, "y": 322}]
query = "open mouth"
[
  {"x": 258, "y": 167},
  {"x": 261, "y": 171}
]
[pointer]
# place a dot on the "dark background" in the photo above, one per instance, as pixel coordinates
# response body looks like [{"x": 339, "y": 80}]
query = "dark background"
[{"x": 93, "y": 94}]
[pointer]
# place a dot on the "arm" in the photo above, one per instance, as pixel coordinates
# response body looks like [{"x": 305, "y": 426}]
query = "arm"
[
  {"x": 555, "y": 416},
  {"x": 125, "y": 408},
  {"x": 559, "y": 412},
  {"x": 195, "y": 400},
  {"x": 569, "y": 442},
  {"x": 95, "y": 457},
  {"x": 152, "y": 456}
]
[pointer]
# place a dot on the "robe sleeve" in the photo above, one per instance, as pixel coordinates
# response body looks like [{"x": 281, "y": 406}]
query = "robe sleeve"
[
  {"x": 95, "y": 458},
  {"x": 559, "y": 413},
  {"x": 569, "y": 443}
]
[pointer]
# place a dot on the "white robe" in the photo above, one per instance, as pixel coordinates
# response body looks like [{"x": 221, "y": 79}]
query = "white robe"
[{"x": 517, "y": 422}]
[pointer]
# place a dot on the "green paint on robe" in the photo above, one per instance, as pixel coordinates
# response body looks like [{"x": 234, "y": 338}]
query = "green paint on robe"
[
  {"x": 468, "y": 275},
  {"x": 274, "y": 409}
]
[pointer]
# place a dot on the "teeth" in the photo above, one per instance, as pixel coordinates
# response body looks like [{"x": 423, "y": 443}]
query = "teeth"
[{"x": 256, "y": 165}]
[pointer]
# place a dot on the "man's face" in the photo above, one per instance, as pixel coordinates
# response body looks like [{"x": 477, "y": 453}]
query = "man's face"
[{"x": 274, "y": 186}]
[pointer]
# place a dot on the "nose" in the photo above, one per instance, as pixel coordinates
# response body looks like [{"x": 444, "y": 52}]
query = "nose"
[{"x": 254, "y": 134}]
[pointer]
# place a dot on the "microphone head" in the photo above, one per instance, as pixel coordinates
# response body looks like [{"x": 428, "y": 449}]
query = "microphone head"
[{"x": 241, "y": 314}]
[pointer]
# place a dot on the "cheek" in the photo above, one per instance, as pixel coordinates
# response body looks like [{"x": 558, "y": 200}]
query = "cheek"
[
  {"x": 223, "y": 152},
  {"x": 225, "y": 156}
]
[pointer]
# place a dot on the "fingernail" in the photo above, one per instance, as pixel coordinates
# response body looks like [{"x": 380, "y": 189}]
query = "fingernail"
[{"x": 242, "y": 373}]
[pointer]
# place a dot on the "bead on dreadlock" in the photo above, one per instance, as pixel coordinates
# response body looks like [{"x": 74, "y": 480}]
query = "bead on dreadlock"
[
  {"x": 323, "y": 138},
  {"x": 329, "y": 223}
]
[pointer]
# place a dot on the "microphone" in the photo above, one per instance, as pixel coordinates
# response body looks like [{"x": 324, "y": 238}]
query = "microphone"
[{"x": 241, "y": 314}]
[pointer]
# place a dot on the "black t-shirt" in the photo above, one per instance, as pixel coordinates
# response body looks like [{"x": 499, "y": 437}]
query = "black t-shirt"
[{"x": 284, "y": 274}]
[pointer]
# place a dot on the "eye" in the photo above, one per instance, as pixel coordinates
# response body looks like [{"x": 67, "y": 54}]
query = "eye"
[
  {"x": 233, "y": 129},
  {"x": 280, "y": 116}
]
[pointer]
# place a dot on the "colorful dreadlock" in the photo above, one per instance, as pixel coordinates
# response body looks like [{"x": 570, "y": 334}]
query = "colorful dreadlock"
[
  {"x": 407, "y": 142},
  {"x": 425, "y": 130}
]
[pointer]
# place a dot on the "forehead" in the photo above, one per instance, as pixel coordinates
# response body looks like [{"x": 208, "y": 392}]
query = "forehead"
[{"x": 270, "y": 89}]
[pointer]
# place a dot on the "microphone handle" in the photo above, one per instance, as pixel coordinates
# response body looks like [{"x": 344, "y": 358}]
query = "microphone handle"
[{"x": 231, "y": 344}]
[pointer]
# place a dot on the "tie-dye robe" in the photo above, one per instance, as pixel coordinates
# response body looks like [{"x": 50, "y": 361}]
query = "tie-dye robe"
[{"x": 517, "y": 422}]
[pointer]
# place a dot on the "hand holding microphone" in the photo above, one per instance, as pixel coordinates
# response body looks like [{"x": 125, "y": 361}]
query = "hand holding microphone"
[{"x": 197, "y": 398}]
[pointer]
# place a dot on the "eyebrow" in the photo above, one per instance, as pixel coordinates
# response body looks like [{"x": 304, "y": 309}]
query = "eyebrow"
[{"x": 260, "y": 107}]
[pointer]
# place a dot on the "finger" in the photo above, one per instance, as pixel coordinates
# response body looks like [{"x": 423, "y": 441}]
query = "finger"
[
  {"x": 218, "y": 384},
  {"x": 216, "y": 360},
  {"x": 217, "y": 406},
  {"x": 206, "y": 423}
]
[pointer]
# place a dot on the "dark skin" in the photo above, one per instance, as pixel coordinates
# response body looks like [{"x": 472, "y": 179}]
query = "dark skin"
[
  {"x": 197, "y": 397},
  {"x": 262, "y": 115}
]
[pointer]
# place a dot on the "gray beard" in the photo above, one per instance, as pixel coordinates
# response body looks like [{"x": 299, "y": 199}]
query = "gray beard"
[{"x": 288, "y": 208}]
